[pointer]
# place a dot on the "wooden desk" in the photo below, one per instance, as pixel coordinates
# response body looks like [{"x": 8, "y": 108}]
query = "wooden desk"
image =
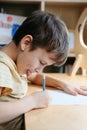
[{"x": 59, "y": 117}]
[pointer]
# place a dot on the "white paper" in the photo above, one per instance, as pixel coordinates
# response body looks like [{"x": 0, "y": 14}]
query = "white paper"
[{"x": 59, "y": 97}]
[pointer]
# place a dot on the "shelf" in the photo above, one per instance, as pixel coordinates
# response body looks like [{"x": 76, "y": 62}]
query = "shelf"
[
  {"x": 24, "y": 1},
  {"x": 53, "y": 1},
  {"x": 67, "y": 1},
  {"x": 22, "y": 9},
  {"x": 69, "y": 13},
  {"x": 68, "y": 10}
]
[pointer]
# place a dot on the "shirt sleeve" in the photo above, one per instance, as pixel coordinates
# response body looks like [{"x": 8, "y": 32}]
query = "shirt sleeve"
[{"x": 5, "y": 79}]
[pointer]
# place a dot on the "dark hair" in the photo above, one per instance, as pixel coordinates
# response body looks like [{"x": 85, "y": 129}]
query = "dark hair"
[{"x": 48, "y": 32}]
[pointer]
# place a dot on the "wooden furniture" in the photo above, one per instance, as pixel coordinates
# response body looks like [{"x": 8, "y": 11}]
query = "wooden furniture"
[
  {"x": 58, "y": 117},
  {"x": 80, "y": 62},
  {"x": 81, "y": 45},
  {"x": 68, "y": 11}
]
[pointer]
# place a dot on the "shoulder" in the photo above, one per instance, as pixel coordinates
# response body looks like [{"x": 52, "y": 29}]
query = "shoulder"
[
  {"x": 4, "y": 68},
  {"x": 5, "y": 73}
]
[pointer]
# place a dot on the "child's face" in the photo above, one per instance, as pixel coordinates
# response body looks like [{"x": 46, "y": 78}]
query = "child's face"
[{"x": 34, "y": 61}]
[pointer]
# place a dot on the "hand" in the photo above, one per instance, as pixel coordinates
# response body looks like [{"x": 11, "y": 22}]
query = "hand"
[
  {"x": 40, "y": 99},
  {"x": 75, "y": 90}
]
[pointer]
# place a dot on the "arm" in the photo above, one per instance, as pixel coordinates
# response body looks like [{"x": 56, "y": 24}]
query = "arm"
[
  {"x": 50, "y": 80},
  {"x": 57, "y": 83},
  {"x": 11, "y": 110}
]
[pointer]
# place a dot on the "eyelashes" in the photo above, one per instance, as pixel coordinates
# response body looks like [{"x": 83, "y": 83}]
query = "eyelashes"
[{"x": 43, "y": 63}]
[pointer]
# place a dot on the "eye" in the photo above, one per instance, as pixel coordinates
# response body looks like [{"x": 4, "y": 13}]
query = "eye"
[{"x": 43, "y": 63}]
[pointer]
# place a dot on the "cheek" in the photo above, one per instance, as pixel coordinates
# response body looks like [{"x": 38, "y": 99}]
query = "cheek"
[{"x": 21, "y": 63}]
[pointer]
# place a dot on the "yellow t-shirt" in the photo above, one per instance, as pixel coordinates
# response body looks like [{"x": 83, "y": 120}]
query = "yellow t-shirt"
[{"x": 14, "y": 85}]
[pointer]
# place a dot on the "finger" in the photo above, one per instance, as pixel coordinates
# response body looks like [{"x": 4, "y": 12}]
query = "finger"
[
  {"x": 71, "y": 91},
  {"x": 83, "y": 88},
  {"x": 82, "y": 92}
]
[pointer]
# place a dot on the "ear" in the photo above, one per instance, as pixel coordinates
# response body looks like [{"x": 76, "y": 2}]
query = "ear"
[{"x": 26, "y": 41}]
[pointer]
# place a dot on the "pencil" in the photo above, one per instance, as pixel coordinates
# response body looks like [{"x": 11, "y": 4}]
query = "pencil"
[{"x": 44, "y": 82}]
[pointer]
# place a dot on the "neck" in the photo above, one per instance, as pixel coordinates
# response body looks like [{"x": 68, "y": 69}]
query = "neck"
[{"x": 11, "y": 50}]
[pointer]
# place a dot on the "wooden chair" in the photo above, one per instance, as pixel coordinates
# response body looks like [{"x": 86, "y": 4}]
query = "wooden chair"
[
  {"x": 80, "y": 62},
  {"x": 80, "y": 46}
]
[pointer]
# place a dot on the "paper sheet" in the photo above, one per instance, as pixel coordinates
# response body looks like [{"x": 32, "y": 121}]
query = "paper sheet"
[{"x": 61, "y": 98}]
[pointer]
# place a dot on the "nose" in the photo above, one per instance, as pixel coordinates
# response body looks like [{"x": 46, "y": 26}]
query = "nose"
[{"x": 38, "y": 70}]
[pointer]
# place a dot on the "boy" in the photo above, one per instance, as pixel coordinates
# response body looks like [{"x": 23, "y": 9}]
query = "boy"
[{"x": 40, "y": 41}]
